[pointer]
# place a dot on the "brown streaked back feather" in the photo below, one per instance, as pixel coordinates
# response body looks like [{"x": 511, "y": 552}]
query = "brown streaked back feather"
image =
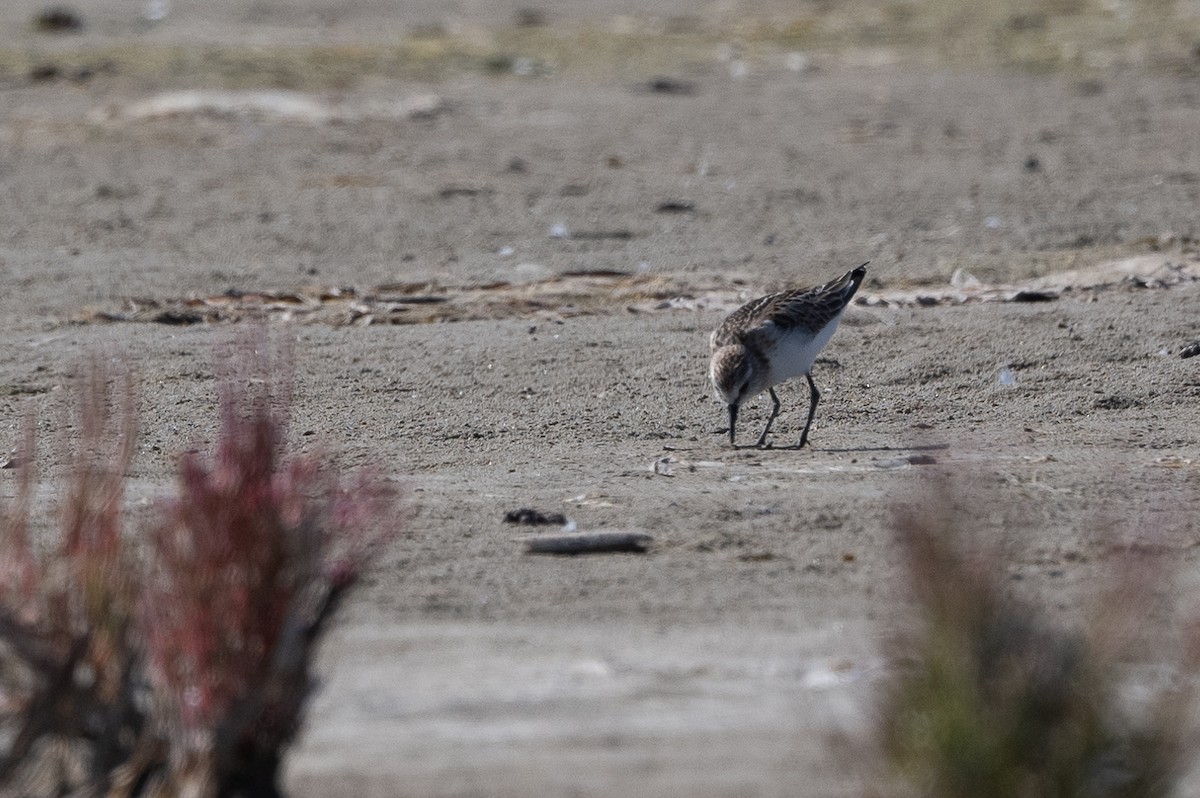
[{"x": 807, "y": 308}]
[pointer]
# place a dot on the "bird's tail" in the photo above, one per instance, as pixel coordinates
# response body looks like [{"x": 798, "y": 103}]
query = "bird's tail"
[
  {"x": 847, "y": 285},
  {"x": 856, "y": 277}
]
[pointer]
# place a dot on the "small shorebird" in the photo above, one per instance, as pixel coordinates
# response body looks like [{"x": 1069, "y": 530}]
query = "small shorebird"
[{"x": 773, "y": 339}]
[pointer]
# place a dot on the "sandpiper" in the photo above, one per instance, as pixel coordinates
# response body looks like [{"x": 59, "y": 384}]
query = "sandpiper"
[{"x": 773, "y": 339}]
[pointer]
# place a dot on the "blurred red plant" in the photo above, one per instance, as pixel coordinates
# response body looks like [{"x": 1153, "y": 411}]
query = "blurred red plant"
[
  {"x": 64, "y": 617},
  {"x": 187, "y": 669},
  {"x": 18, "y": 568},
  {"x": 251, "y": 560}
]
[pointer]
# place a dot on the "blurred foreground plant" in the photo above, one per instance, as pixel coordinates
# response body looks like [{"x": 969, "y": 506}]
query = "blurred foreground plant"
[
  {"x": 179, "y": 663},
  {"x": 66, "y": 663},
  {"x": 990, "y": 699}
]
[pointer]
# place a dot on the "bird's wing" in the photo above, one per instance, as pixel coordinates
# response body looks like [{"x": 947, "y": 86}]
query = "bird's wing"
[
  {"x": 811, "y": 308},
  {"x": 804, "y": 308},
  {"x": 737, "y": 324},
  {"x": 808, "y": 309}
]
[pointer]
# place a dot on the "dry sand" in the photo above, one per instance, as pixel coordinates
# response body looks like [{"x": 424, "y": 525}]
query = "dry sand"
[{"x": 719, "y": 662}]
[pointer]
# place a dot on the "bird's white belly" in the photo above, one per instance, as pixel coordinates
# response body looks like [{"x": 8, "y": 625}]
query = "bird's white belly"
[{"x": 795, "y": 351}]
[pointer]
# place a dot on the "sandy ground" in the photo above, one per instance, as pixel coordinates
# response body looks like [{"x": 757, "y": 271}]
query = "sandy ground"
[{"x": 720, "y": 662}]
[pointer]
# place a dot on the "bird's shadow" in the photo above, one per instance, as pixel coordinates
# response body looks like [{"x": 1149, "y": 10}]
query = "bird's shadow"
[
  {"x": 929, "y": 447},
  {"x": 770, "y": 447}
]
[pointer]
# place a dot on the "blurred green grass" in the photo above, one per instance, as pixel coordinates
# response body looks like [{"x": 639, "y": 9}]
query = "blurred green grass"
[
  {"x": 1052, "y": 35},
  {"x": 991, "y": 695}
]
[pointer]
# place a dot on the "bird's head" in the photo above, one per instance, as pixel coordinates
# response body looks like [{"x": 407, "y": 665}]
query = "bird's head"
[{"x": 732, "y": 373}]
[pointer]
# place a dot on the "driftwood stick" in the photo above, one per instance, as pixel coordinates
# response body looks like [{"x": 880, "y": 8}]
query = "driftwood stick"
[{"x": 597, "y": 542}]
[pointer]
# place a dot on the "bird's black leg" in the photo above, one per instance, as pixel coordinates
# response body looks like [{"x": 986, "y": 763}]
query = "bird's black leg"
[
  {"x": 762, "y": 439},
  {"x": 814, "y": 397}
]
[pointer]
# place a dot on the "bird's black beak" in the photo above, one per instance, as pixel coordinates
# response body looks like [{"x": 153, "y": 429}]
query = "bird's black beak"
[{"x": 733, "y": 411}]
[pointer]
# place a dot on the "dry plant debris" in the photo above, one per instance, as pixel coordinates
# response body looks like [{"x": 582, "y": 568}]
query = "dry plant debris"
[
  {"x": 588, "y": 293},
  {"x": 562, "y": 296},
  {"x": 272, "y": 104}
]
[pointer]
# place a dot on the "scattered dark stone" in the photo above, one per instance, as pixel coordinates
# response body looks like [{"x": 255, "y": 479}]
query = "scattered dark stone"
[
  {"x": 676, "y": 206},
  {"x": 57, "y": 19},
  {"x": 531, "y": 517},
  {"x": 1021, "y": 23},
  {"x": 529, "y": 18},
  {"x": 1115, "y": 402},
  {"x": 1141, "y": 281},
  {"x": 1027, "y": 295},
  {"x": 449, "y": 192},
  {"x": 598, "y": 235},
  {"x": 109, "y": 191},
  {"x": 922, "y": 459},
  {"x": 178, "y": 317},
  {"x": 800, "y": 196},
  {"x": 518, "y": 166},
  {"x": 42, "y": 73},
  {"x": 682, "y": 23},
  {"x": 596, "y": 273},
  {"x": 887, "y": 129},
  {"x": 1191, "y": 350},
  {"x": 747, "y": 513},
  {"x": 1089, "y": 88},
  {"x": 498, "y": 64},
  {"x": 663, "y": 85},
  {"x": 431, "y": 31},
  {"x": 431, "y": 299},
  {"x": 21, "y": 390},
  {"x": 1032, "y": 164},
  {"x": 614, "y": 162},
  {"x": 927, "y": 301},
  {"x": 573, "y": 190}
]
